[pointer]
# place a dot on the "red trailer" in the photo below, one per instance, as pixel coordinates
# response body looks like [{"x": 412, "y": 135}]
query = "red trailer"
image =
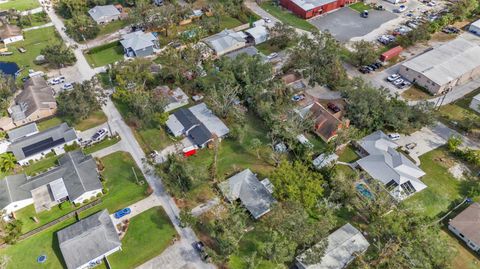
[
  {"x": 389, "y": 54},
  {"x": 189, "y": 151}
]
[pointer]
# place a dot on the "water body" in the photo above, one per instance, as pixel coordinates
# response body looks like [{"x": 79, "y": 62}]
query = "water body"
[{"x": 9, "y": 68}]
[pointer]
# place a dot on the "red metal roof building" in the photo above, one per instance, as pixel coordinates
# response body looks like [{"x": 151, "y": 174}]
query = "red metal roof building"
[
  {"x": 307, "y": 9},
  {"x": 391, "y": 53}
]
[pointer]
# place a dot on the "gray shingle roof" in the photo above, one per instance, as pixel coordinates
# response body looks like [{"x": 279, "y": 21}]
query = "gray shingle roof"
[
  {"x": 36, "y": 94},
  {"x": 200, "y": 134},
  {"x": 48, "y": 139},
  {"x": 79, "y": 174},
  {"x": 251, "y": 51},
  {"x": 138, "y": 40},
  {"x": 225, "y": 40},
  {"x": 186, "y": 118},
  {"x": 88, "y": 239},
  {"x": 98, "y": 12},
  {"x": 22, "y": 131},
  {"x": 251, "y": 192},
  {"x": 342, "y": 246}
]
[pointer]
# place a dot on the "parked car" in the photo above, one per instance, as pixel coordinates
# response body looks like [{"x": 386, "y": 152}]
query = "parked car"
[
  {"x": 431, "y": 4},
  {"x": 393, "y": 77},
  {"x": 272, "y": 55},
  {"x": 364, "y": 14},
  {"x": 67, "y": 86},
  {"x": 333, "y": 107},
  {"x": 404, "y": 84},
  {"x": 400, "y": 9},
  {"x": 267, "y": 20},
  {"x": 99, "y": 135},
  {"x": 394, "y": 136},
  {"x": 200, "y": 248},
  {"x": 398, "y": 81},
  {"x": 450, "y": 30},
  {"x": 411, "y": 145},
  {"x": 57, "y": 80},
  {"x": 122, "y": 212},
  {"x": 364, "y": 70}
]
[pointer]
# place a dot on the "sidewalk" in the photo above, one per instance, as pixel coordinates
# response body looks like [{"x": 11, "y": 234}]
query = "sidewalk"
[{"x": 38, "y": 27}]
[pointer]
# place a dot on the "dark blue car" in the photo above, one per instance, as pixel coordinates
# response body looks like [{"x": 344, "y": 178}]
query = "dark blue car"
[{"x": 122, "y": 212}]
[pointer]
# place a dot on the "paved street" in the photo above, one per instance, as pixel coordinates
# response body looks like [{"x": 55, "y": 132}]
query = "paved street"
[{"x": 130, "y": 144}]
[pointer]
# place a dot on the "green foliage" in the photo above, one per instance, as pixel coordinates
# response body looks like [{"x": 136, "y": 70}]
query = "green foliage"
[
  {"x": 463, "y": 9},
  {"x": 297, "y": 182},
  {"x": 7, "y": 162},
  {"x": 177, "y": 175},
  {"x": 79, "y": 103},
  {"x": 373, "y": 109},
  {"x": 68, "y": 8},
  {"x": 421, "y": 33},
  {"x": 282, "y": 35},
  {"x": 81, "y": 27},
  {"x": 364, "y": 53},
  {"x": 454, "y": 142},
  {"x": 58, "y": 55},
  {"x": 10, "y": 231},
  {"x": 187, "y": 219},
  {"x": 7, "y": 89}
]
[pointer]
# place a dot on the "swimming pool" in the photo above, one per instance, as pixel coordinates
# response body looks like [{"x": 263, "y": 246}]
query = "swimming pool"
[
  {"x": 9, "y": 68},
  {"x": 362, "y": 189}
]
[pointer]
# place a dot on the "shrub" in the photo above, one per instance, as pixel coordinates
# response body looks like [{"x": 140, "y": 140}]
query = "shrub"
[{"x": 105, "y": 190}]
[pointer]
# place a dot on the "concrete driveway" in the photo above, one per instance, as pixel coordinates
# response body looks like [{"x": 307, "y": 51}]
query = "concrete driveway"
[{"x": 346, "y": 23}]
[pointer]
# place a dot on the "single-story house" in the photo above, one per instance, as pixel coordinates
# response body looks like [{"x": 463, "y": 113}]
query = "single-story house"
[
  {"x": 84, "y": 244},
  {"x": 10, "y": 33},
  {"x": 384, "y": 163},
  {"x": 22, "y": 131},
  {"x": 251, "y": 51},
  {"x": 226, "y": 41},
  {"x": 466, "y": 226},
  {"x": 307, "y": 9},
  {"x": 342, "y": 247},
  {"x": 198, "y": 123},
  {"x": 35, "y": 102},
  {"x": 255, "y": 195},
  {"x": 104, "y": 14},
  {"x": 175, "y": 98},
  {"x": 75, "y": 179},
  {"x": 474, "y": 28},
  {"x": 325, "y": 160},
  {"x": 440, "y": 69},
  {"x": 326, "y": 123},
  {"x": 475, "y": 104},
  {"x": 139, "y": 44},
  {"x": 257, "y": 34},
  {"x": 34, "y": 147}
]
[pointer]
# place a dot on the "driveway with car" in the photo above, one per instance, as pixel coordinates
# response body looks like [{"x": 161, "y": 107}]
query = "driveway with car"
[{"x": 347, "y": 23}]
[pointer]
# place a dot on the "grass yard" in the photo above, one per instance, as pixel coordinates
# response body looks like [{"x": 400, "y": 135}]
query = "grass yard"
[
  {"x": 267, "y": 47},
  {"x": 465, "y": 259},
  {"x": 104, "y": 54},
  {"x": 148, "y": 235},
  {"x": 227, "y": 22},
  {"x": 414, "y": 93},
  {"x": 152, "y": 139},
  {"x": 107, "y": 142},
  {"x": 41, "y": 165},
  {"x": 112, "y": 27},
  {"x": 360, "y": 7},
  {"x": 26, "y": 214},
  {"x": 122, "y": 186},
  {"x": 348, "y": 155},
  {"x": 24, "y": 254},
  {"x": 287, "y": 17},
  {"x": 443, "y": 188},
  {"x": 34, "y": 42},
  {"x": 20, "y": 5},
  {"x": 97, "y": 118},
  {"x": 460, "y": 112}
]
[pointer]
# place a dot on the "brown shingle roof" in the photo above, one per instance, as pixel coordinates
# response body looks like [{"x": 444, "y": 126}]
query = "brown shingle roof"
[
  {"x": 35, "y": 95},
  {"x": 326, "y": 125},
  {"x": 468, "y": 223},
  {"x": 8, "y": 30}
]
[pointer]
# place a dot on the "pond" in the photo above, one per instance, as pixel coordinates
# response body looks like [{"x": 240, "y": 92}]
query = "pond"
[{"x": 9, "y": 68}]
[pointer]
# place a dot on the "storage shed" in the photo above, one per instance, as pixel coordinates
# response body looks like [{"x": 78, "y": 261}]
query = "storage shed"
[{"x": 391, "y": 53}]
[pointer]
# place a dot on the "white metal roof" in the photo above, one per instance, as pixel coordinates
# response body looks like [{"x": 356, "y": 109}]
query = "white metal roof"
[
  {"x": 311, "y": 4},
  {"x": 58, "y": 188},
  {"x": 447, "y": 62}
]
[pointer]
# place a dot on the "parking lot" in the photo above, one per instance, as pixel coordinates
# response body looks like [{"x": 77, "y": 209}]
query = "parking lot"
[{"x": 346, "y": 23}]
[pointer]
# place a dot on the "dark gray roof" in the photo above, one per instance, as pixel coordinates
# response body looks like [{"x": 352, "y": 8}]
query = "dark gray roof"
[
  {"x": 48, "y": 139},
  {"x": 200, "y": 134},
  {"x": 79, "y": 174},
  {"x": 251, "y": 192},
  {"x": 88, "y": 239},
  {"x": 22, "y": 131},
  {"x": 251, "y": 51},
  {"x": 186, "y": 118}
]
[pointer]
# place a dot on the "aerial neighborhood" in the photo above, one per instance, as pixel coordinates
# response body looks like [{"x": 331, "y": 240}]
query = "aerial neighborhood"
[{"x": 305, "y": 134}]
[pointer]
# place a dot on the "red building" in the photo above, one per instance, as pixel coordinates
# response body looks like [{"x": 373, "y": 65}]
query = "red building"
[{"x": 310, "y": 8}]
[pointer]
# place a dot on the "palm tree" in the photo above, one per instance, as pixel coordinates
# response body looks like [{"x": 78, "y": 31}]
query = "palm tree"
[{"x": 7, "y": 162}]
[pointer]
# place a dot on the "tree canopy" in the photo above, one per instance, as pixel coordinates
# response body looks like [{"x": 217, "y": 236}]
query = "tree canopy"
[
  {"x": 79, "y": 103},
  {"x": 58, "y": 55}
]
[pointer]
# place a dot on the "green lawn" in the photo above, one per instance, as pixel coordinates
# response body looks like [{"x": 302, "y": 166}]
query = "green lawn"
[
  {"x": 460, "y": 112},
  {"x": 359, "y": 6},
  {"x": 227, "y": 22},
  {"x": 148, "y": 235},
  {"x": 348, "y": 155},
  {"x": 40, "y": 165},
  {"x": 34, "y": 42},
  {"x": 101, "y": 145},
  {"x": 415, "y": 93},
  {"x": 442, "y": 188},
  {"x": 105, "y": 54},
  {"x": 121, "y": 183},
  {"x": 112, "y": 27},
  {"x": 26, "y": 214},
  {"x": 151, "y": 139},
  {"x": 97, "y": 118},
  {"x": 20, "y": 5},
  {"x": 287, "y": 17}
]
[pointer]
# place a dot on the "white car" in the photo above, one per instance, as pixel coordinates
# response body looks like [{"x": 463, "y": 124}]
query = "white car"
[
  {"x": 394, "y": 136},
  {"x": 267, "y": 20},
  {"x": 431, "y": 4},
  {"x": 401, "y": 8},
  {"x": 272, "y": 55},
  {"x": 99, "y": 135},
  {"x": 393, "y": 77},
  {"x": 397, "y": 82},
  {"x": 57, "y": 80},
  {"x": 67, "y": 86}
]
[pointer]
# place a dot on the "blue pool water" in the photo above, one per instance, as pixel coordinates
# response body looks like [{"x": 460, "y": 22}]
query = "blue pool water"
[
  {"x": 364, "y": 191},
  {"x": 9, "y": 68}
]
